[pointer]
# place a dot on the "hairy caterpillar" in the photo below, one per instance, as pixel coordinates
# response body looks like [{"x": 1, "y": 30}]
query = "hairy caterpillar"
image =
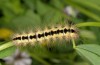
[{"x": 54, "y": 33}]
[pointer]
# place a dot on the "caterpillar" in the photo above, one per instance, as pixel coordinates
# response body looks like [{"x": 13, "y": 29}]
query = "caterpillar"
[{"x": 55, "y": 33}]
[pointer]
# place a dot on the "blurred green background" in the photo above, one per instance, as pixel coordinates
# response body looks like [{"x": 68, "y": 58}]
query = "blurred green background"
[{"x": 23, "y": 15}]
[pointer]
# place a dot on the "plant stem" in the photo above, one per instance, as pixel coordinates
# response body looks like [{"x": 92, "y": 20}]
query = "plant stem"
[
  {"x": 73, "y": 42},
  {"x": 97, "y": 24},
  {"x": 39, "y": 59},
  {"x": 6, "y": 45}
]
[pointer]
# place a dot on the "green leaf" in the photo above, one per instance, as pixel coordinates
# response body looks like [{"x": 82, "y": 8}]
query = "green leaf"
[
  {"x": 12, "y": 6},
  {"x": 42, "y": 8},
  {"x": 95, "y": 1},
  {"x": 90, "y": 52},
  {"x": 89, "y": 4},
  {"x": 29, "y": 20},
  {"x": 87, "y": 34},
  {"x": 54, "y": 19},
  {"x": 83, "y": 10},
  {"x": 39, "y": 59},
  {"x": 58, "y": 4},
  {"x": 30, "y": 4},
  {"x": 6, "y": 49}
]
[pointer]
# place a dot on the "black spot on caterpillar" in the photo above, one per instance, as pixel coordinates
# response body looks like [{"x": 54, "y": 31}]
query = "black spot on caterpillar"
[{"x": 67, "y": 32}]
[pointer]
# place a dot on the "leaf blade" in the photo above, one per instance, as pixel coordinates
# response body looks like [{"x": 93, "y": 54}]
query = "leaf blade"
[
  {"x": 6, "y": 49},
  {"x": 89, "y": 52}
]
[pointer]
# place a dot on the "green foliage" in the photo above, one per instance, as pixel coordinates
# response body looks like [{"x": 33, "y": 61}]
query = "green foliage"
[
  {"x": 6, "y": 49},
  {"x": 90, "y": 52},
  {"x": 22, "y": 15},
  {"x": 85, "y": 11}
]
